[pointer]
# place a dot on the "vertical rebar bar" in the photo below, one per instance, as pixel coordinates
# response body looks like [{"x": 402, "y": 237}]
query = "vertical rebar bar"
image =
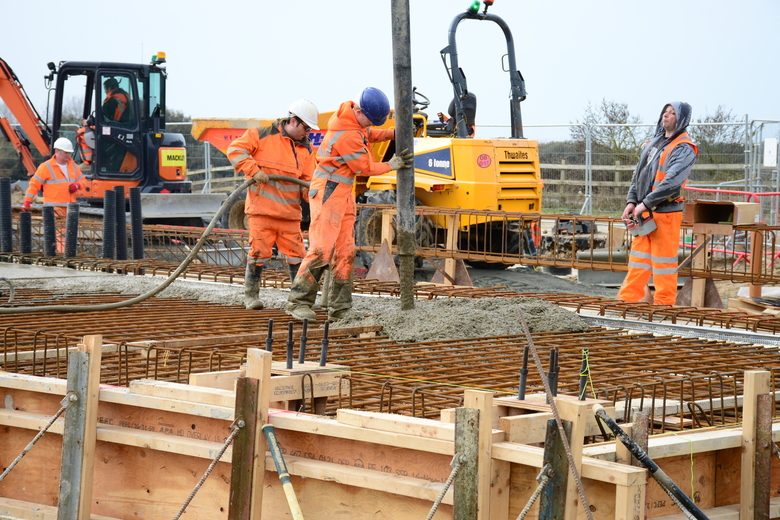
[
  {"x": 324, "y": 349},
  {"x": 289, "y": 345},
  {"x": 269, "y": 339}
]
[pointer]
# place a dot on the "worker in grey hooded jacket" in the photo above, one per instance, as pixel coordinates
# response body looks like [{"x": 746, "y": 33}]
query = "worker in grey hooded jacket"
[{"x": 656, "y": 190}]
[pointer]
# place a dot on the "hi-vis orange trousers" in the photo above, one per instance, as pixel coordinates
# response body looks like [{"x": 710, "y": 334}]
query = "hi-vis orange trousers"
[{"x": 654, "y": 254}]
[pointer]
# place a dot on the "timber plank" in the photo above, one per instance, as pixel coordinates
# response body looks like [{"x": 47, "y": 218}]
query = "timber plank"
[{"x": 416, "y": 426}]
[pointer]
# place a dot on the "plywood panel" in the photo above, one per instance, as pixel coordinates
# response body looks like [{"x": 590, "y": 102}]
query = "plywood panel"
[{"x": 679, "y": 470}]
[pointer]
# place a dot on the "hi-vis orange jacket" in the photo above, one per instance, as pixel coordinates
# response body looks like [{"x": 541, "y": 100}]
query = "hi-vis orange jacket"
[
  {"x": 660, "y": 173},
  {"x": 115, "y": 104},
  {"x": 270, "y": 150},
  {"x": 54, "y": 182},
  {"x": 345, "y": 153}
]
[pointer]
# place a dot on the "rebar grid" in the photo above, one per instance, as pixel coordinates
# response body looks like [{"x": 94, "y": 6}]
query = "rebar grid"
[
  {"x": 683, "y": 382},
  {"x": 574, "y": 241}
]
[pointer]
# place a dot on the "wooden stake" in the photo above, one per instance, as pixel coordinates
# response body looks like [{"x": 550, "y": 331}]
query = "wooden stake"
[
  {"x": 763, "y": 471},
  {"x": 756, "y": 382},
  {"x": 465, "y": 487},
  {"x": 258, "y": 367},
  {"x": 553, "y": 498},
  {"x": 80, "y": 431},
  {"x": 484, "y": 402},
  {"x": 242, "y": 463}
]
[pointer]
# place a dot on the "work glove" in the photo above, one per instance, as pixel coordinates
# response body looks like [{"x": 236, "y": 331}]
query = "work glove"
[
  {"x": 26, "y": 205},
  {"x": 404, "y": 159},
  {"x": 73, "y": 187},
  {"x": 260, "y": 177}
]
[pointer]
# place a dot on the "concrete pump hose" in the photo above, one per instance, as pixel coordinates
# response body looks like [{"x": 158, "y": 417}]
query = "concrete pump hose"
[{"x": 170, "y": 279}]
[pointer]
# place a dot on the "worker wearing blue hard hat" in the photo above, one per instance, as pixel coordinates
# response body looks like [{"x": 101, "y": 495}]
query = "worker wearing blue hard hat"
[{"x": 345, "y": 153}]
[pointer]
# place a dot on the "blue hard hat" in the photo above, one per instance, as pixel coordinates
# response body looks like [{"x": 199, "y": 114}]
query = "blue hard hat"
[{"x": 374, "y": 105}]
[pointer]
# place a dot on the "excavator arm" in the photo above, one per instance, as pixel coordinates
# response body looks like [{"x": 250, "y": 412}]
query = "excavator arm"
[
  {"x": 20, "y": 144},
  {"x": 15, "y": 98}
]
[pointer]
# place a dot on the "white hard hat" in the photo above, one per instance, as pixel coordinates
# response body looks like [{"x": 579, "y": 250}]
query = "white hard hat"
[
  {"x": 305, "y": 110},
  {"x": 64, "y": 144}
]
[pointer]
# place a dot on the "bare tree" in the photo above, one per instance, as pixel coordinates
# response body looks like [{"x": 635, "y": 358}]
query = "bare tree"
[
  {"x": 719, "y": 136},
  {"x": 621, "y": 143}
]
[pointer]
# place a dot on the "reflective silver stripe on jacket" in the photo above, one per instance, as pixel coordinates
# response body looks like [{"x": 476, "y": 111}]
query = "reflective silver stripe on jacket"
[
  {"x": 237, "y": 159},
  {"x": 281, "y": 186}
]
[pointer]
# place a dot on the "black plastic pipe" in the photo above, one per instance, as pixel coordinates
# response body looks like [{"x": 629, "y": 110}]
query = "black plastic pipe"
[
  {"x": 523, "y": 375},
  {"x": 136, "y": 223},
  {"x": 324, "y": 350},
  {"x": 676, "y": 494},
  {"x": 109, "y": 224},
  {"x": 6, "y": 230},
  {"x": 72, "y": 230},
  {"x": 269, "y": 339},
  {"x": 121, "y": 224},
  {"x": 49, "y": 232},
  {"x": 304, "y": 339},
  {"x": 289, "y": 345},
  {"x": 25, "y": 232},
  {"x": 584, "y": 374}
]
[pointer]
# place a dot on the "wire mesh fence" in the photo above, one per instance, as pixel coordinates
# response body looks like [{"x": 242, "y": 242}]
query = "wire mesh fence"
[{"x": 587, "y": 169}]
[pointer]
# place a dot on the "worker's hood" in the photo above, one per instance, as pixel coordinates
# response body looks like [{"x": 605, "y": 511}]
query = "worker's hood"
[
  {"x": 344, "y": 118},
  {"x": 683, "y": 111}
]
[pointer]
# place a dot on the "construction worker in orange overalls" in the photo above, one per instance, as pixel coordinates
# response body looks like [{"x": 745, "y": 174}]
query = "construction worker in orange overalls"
[
  {"x": 59, "y": 178},
  {"x": 273, "y": 207},
  {"x": 344, "y": 153},
  {"x": 656, "y": 186}
]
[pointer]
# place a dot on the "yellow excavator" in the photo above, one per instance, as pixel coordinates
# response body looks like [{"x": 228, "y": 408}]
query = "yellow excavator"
[{"x": 452, "y": 167}]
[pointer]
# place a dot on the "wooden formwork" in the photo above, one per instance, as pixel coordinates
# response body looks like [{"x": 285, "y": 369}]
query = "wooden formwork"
[{"x": 154, "y": 441}]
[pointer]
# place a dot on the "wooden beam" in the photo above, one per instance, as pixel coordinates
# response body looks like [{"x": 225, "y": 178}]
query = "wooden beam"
[
  {"x": 419, "y": 427},
  {"x": 242, "y": 461},
  {"x": 756, "y": 383}
]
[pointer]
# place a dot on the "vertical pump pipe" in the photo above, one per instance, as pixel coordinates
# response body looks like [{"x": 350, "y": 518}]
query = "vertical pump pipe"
[
  {"x": 281, "y": 470},
  {"x": 121, "y": 223},
  {"x": 404, "y": 140}
]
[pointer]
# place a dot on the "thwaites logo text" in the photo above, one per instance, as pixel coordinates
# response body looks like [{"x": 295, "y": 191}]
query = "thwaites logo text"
[{"x": 517, "y": 156}]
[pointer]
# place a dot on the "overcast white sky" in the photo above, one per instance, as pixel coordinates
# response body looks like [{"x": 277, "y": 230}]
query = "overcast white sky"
[{"x": 242, "y": 58}]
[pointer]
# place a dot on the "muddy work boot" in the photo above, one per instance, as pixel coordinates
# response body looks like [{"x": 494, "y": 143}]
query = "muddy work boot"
[
  {"x": 252, "y": 279},
  {"x": 302, "y": 295},
  {"x": 293, "y": 268},
  {"x": 340, "y": 300}
]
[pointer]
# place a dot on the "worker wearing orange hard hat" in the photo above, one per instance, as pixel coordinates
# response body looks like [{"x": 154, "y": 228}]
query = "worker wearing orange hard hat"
[
  {"x": 345, "y": 153},
  {"x": 273, "y": 207}
]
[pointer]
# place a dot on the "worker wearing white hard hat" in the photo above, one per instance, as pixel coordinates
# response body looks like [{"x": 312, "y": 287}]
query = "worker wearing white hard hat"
[
  {"x": 59, "y": 178},
  {"x": 273, "y": 207}
]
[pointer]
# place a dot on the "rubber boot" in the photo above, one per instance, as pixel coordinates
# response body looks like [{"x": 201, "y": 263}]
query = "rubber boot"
[
  {"x": 293, "y": 268},
  {"x": 302, "y": 295},
  {"x": 327, "y": 278},
  {"x": 340, "y": 300},
  {"x": 252, "y": 286}
]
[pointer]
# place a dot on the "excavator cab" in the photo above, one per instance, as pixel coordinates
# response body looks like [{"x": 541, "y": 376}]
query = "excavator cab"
[{"x": 122, "y": 117}]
